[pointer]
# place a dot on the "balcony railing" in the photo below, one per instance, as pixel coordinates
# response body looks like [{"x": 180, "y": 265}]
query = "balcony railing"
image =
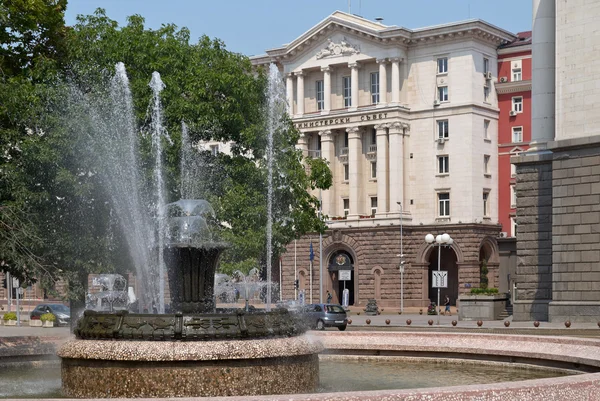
[
  {"x": 314, "y": 154},
  {"x": 344, "y": 151},
  {"x": 373, "y": 148}
]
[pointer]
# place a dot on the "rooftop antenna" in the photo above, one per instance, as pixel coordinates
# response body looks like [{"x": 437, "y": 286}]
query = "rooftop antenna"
[
  {"x": 469, "y": 8},
  {"x": 359, "y": 7},
  {"x": 349, "y": 6}
]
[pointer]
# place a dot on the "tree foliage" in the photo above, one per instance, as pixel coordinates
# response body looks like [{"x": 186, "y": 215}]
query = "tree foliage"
[{"x": 55, "y": 219}]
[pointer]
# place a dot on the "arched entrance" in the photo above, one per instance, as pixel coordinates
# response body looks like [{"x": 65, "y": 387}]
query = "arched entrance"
[
  {"x": 488, "y": 266},
  {"x": 448, "y": 262},
  {"x": 340, "y": 262}
]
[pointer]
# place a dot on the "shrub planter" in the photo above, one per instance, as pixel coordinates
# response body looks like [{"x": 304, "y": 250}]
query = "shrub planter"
[
  {"x": 10, "y": 319},
  {"x": 481, "y": 307},
  {"x": 35, "y": 323},
  {"x": 48, "y": 323}
]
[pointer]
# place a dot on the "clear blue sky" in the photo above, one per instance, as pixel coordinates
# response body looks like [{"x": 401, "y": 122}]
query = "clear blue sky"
[{"x": 252, "y": 26}]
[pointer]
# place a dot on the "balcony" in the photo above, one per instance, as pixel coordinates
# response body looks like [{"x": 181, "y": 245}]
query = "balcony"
[
  {"x": 343, "y": 155},
  {"x": 314, "y": 154},
  {"x": 372, "y": 152}
]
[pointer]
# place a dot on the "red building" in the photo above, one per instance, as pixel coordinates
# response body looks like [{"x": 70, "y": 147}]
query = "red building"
[{"x": 514, "y": 124}]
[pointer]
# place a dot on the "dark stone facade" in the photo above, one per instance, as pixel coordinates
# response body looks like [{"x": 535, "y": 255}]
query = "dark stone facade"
[
  {"x": 376, "y": 262},
  {"x": 559, "y": 232}
]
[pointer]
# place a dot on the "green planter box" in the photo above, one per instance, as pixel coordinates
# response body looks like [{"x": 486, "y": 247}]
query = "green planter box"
[{"x": 481, "y": 307}]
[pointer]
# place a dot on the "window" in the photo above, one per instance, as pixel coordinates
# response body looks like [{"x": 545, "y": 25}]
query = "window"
[
  {"x": 486, "y": 94},
  {"x": 346, "y": 204},
  {"x": 517, "y": 134},
  {"x": 486, "y": 204},
  {"x": 214, "y": 150},
  {"x": 513, "y": 223},
  {"x": 486, "y": 164},
  {"x": 443, "y": 93},
  {"x": 444, "y": 204},
  {"x": 516, "y": 74},
  {"x": 345, "y": 139},
  {"x": 443, "y": 167},
  {"x": 486, "y": 126},
  {"x": 373, "y": 205},
  {"x": 513, "y": 170},
  {"x": 513, "y": 197},
  {"x": 320, "y": 95},
  {"x": 373, "y": 169},
  {"x": 374, "y": 87},
  {"x": 347, "y": 84},
  {"x": 442, "y": 65},
  {"x": 486, "y": 65},
  {"x": 443, "y": 131},
  {"x": 374, "y": 137},
  {"x": 517, "y": 104},
  {"x": 346, "y": 172}
]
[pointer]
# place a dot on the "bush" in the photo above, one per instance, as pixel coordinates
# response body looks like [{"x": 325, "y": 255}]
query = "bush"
[
  {"x": 10, "y": 316},
  {"x": 484, "y": 291},
  {"x": 48, "y": 317}
]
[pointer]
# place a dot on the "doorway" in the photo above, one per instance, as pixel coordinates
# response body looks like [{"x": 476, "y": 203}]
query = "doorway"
[
  {"x": 447, "y": 263},
  {"x": 340, "y": 262}
]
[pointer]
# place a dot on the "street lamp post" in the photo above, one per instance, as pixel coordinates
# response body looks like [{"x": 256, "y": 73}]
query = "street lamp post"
[
  {"x": 401, "y": 263},
  {"x": 440, "y": 239}
]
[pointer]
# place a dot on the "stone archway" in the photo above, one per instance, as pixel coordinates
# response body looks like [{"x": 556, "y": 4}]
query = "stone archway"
[
  {"x": 489, "y": 256},
  {"x": 448, "y": 262},
  {"x": 335, "y": 244}
]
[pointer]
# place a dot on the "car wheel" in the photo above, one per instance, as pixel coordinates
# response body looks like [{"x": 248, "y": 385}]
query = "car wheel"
[
  {"x": 342, "y": 328},
  {"x": 320, "y": 325}
]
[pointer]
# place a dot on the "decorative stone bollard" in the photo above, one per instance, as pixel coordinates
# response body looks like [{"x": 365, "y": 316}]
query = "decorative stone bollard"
[
  {"x": 536, "y": 323},
  {"x": 420, "y": 311},
  {"x": 358, "y": 313},
  {"x": 382, "y": 309},
  {"x": 506, "y": 323},
  {"x": 568, "y": 324},
  {"x": 598, "y": 324},
  {"x": 349, "y": 321},
  {"x": 400, "y": 312},
  {"x": 454, "y": 322},
  {"x": 479, "y": 323},
  {"x": 430, "y": 322},
  {"x": 387, "y": 321},
  {"x": 408, "y": 322},
  {"x": 368, "y": 321}
]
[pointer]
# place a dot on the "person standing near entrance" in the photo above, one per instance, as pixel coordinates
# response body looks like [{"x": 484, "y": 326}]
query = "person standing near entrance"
[
  {"x": 447, "y": 304},
  {"x": 329, "y": 297}
]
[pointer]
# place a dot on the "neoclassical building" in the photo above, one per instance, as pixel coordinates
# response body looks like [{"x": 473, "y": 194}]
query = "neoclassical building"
[{"x": 408, "y": 121}]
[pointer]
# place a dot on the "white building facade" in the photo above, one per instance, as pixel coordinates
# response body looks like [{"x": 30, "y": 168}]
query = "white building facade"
[{"x": 408, "y": 121}]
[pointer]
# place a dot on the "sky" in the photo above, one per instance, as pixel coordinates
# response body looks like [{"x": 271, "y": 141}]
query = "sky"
[{"x": 251, "y": 27}]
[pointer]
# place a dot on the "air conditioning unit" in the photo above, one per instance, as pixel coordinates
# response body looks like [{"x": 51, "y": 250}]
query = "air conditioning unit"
[
  {"x": 441, "y": 140},
  {"x": 512, "y": 113},
  {"x": 436, "y": 102},
  {"x": 503, "y": 234},
  {"x": 503, "y": 79},
  {"x": 488, "y": 75}
]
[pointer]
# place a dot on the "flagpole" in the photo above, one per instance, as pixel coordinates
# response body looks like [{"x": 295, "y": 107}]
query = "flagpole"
[
  {"x": 311, "y": 257},
  {"x": 311, "y": 268}
]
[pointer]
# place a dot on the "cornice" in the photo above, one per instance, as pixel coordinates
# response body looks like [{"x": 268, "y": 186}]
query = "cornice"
[
  {"x": 385, "y": 35},
  {"x": 514, "y": 49},
  {"x": 512, "y": 87}
]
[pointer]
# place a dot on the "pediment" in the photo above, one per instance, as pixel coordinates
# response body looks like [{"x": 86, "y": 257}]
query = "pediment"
[{"x": 516, "y": 150}]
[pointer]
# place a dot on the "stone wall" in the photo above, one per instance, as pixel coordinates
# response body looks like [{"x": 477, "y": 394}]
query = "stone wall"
[
  {"x": 576, "y": 230},
  {"x": 378, "y": 249},
  {"x": 534, "y": 237}
]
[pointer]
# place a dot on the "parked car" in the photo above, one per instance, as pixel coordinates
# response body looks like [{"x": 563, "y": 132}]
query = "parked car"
[
  {"x": 62, "y": 313},
  {"x": 320, "y": 316}
]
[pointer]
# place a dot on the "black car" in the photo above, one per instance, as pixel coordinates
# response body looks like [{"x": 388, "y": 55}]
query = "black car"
[
  {"x": 61, "y": 312},
  {"x": 319, "y": 316}
]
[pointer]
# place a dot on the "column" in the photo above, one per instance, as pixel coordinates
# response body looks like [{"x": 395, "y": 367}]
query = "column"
[
  {"x": 395, "y": 81},
  {"x": 289, "y": 89},
  {"x": 382, "y": 82},
  {"x": 543, "y": 69},
  {"x": 303, "y": 144},
  {"x": 355, "y": 153},
  {"x": 328, "y": 153},
  {"x": 396, "y": 165},
  {"x": 300, "y": 93},
  {"x": 354, "y": 86},
  {"x": 382, "y": 169},
  {"x": 326, "y": 89}
]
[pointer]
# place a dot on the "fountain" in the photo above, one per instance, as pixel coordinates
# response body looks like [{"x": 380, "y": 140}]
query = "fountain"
[{"x": 198, "y": 349}]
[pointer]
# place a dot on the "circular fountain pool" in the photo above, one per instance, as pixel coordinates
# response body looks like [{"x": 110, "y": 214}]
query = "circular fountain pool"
[{"x": 337, "y": 374}]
